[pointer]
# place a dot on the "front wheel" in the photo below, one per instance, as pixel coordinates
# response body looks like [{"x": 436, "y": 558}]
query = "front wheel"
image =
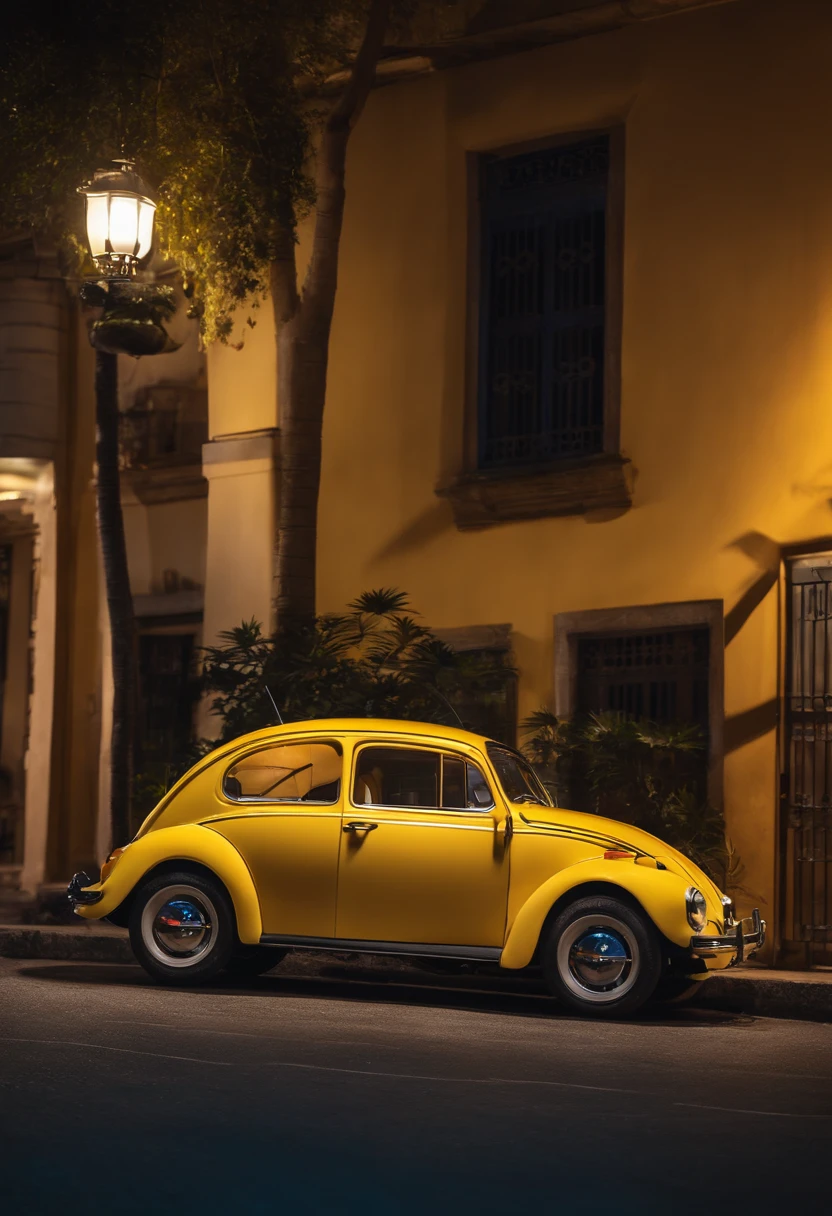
[
  {"x": 182, "y": 928},
  {"x": 602, "y": 958}
]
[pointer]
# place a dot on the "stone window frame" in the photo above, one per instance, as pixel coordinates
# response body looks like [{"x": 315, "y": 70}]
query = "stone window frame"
[
  {"x": 686, "y": 614},
  {"x": 482, "y": 498}
]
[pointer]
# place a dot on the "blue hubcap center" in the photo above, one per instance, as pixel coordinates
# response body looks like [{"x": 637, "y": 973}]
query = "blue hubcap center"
[
  {"x": 181, "y": 926},
  {"x": 599, "y": 959}
]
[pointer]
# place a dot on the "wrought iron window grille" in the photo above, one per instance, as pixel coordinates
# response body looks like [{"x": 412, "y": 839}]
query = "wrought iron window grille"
[{"x": 543, "y": 275}]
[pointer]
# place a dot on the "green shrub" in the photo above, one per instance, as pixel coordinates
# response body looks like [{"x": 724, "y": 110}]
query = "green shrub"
[
  {"x": 373, "y": 660},
  {"x": 652, "y": 776}
]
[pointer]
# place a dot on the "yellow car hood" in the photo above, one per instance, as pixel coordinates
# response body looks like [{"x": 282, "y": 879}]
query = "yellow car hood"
[{"x": 612, "y": 834}]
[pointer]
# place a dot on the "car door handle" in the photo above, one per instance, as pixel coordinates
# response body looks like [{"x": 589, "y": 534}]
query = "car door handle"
[{"x": 360, "y": 827}]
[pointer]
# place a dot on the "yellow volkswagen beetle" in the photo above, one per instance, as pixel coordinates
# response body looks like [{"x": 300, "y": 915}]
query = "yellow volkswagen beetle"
[{"x": 403, "y": 838}]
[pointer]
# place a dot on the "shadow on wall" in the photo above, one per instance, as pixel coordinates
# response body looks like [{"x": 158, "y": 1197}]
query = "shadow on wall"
[
  {"x": 751, "y": 724},
  {"x": 740, "y": 729},
  {"x": 765, "y": 553},
  {"x": 427, "y": 526}
]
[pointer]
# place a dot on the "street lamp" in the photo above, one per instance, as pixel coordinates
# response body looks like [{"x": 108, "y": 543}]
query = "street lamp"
[
  {"x": 128, "y": 320},
  {"x": 119, "y": 218}
]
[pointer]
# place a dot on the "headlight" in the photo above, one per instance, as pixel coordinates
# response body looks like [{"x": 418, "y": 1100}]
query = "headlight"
[{"x": 696, "y": 908}]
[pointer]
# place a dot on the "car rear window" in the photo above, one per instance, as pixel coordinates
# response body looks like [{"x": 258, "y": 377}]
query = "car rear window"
[{"x": 287, "y": 772}]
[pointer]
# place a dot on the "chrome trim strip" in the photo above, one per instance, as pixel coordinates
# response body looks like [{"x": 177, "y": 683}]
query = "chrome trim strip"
[
  {"x": 372, "y": 807},
  {"x": 417, "y": 823},
  {"x": 252, "y": 800},
  {"x": 225, "y": 816},
  {"x": 400, "y": 823},
  {"x": 484, "y": 954}
]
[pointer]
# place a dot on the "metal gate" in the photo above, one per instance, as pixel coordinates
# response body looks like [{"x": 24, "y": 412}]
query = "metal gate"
[{"x": 808, "y": 779}]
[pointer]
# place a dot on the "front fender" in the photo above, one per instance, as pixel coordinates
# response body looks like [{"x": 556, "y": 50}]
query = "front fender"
[
  {"x": 186, "y": 842},
  {"x": 660, "y": 893}
]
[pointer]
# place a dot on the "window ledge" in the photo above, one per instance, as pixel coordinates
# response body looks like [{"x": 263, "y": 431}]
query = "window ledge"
[
  {"x": 482, "y": 499},
  {"x": 166, "y": 481}
]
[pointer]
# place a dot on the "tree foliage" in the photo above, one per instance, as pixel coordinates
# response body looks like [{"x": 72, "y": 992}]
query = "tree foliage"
[{"x": 218, "y": 102}]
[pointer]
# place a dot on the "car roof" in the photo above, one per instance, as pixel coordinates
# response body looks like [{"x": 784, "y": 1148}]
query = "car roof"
[
  {"x": 388, "y": 728},
  {"x": 361, "y": 726}
]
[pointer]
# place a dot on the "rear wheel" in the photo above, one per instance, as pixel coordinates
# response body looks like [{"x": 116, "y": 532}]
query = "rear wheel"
[
  {"x": 182, "y": 928},
  {"x": 249, "y": 961},
  {"x": 602, "y": 957}
]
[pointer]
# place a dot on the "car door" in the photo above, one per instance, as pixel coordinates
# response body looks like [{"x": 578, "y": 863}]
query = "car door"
[
  {"x": 282, "y": 812},
  {"x": 424, "y": 853}
]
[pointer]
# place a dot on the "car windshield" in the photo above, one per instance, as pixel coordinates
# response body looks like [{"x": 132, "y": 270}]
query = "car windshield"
[{"x": 517, "y": 777}]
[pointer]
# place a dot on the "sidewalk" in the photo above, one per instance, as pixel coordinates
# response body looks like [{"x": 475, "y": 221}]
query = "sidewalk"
[{"x": 805, "y": 995}]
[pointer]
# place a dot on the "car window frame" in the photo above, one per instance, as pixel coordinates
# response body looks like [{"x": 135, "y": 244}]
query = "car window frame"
[
  {"x": 251, "y": 800},
  {"x": 494, "y": 745},
  {"x": 430, "y": 810}
]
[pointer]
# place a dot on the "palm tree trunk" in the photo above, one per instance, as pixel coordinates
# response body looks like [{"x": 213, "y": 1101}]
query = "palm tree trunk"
[
  {"x": 302, "y": 377},
  {"x": 119, "y": 596},
  {"x": 303, "y": 322}
]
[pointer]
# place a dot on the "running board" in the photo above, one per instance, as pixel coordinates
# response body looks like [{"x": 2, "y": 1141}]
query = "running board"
[{"x": 479, "y": 954}]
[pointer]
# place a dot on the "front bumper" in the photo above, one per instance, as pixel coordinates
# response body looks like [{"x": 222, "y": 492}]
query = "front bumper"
[
  {"x": 743, "y": 939},
  {"x": 76, "y": 894}
]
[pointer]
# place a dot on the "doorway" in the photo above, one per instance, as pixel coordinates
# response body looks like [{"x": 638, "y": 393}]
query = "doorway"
[{"x": 807, "y": 781}]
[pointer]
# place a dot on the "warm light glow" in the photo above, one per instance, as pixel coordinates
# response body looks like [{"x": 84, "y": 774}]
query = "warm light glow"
[
  {"x": 119, "y": 219},
  {"x": 98, "y": 228}
]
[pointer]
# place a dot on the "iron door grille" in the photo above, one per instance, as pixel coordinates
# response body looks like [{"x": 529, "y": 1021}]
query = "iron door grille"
[{"x": 809, "y": 759}]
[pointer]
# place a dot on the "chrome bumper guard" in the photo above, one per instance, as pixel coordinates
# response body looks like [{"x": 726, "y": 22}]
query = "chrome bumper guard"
[
  {"x": 76, "y": 894},
  {"x": 744, "y": 938}
]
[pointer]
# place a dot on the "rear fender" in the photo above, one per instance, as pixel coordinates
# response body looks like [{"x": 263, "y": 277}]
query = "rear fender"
[
  {"x": 659, "y": 892},
  {"x": 184, "y": 843}
]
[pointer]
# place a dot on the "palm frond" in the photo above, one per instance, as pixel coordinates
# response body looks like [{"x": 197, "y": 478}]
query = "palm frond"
[{"x": 382, "y": 602}]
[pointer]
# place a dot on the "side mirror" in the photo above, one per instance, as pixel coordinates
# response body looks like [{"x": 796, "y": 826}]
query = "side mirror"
[{"x": 482, "y": 796}]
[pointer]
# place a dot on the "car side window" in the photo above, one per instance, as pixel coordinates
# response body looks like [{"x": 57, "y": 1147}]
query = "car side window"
[
  {"x": 463, "y": 786},
  {"x": 399, "y": 776},
  {"x": 396, "y": 776},
  {"x": 287, "y": 772},
  {"x": 478, "y": 789}
]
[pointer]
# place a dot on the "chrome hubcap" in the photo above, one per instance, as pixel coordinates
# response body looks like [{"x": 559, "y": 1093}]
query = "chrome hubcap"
[
  {"x": 179, "y": 926},
  {"x": 598, "y": 958}
]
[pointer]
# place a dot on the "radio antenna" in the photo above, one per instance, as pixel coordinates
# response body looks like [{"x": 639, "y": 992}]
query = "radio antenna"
[
  {"x": 443, "y": 698},
  {"x": 274, "y": 705}
]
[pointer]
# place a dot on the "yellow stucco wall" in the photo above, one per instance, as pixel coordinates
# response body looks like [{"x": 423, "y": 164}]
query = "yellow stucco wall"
[
  {"x": 726, "y": 358},
  {"x": 727, "y": 346}
]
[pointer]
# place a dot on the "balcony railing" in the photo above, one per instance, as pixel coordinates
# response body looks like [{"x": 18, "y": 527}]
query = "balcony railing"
[{"x": 166, "y": 425}]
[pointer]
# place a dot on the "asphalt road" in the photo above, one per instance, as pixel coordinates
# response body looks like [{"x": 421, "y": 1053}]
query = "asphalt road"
[{"x": 396, "y": 1093}]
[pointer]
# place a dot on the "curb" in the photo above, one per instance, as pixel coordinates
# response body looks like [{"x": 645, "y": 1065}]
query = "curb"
[
  {"x": 806, "y": 1000},
  {"x": 750, "y": 991},
  {"x": 65, "y": 942}
]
